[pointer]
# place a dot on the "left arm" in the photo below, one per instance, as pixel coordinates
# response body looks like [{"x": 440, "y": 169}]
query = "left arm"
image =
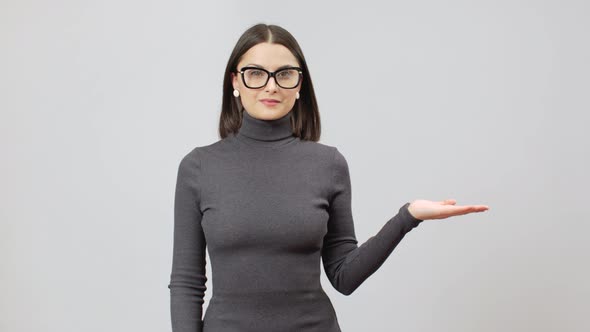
[{"x": 346, "y": 264}]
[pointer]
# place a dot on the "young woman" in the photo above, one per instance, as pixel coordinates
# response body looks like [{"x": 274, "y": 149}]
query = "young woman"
[{"x": 269, "y": 201}]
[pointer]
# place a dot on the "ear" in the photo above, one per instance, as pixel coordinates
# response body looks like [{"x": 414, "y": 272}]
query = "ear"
[{"x": 234, "y": 80}]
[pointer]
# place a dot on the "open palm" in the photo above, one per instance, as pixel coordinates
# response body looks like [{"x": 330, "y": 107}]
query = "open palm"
[{"x": 424, "y": 209}]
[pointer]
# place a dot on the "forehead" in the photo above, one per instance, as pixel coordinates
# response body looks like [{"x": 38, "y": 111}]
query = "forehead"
[{"x": 269, "y": 56}]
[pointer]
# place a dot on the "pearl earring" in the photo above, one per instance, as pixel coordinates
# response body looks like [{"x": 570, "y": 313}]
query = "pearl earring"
[
  {"x": 297, "y": 95},
  {"x": 236, "y": 93}
]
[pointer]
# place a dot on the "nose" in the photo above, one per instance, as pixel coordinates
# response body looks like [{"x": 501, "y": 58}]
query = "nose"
[{"x": 271, "y": 84}]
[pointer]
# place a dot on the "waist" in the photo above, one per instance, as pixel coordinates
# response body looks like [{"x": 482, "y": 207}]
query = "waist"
[{"x": 289, "y": 310}]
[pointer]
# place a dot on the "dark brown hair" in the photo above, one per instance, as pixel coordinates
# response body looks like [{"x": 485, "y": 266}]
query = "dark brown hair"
[{"x": 305, "y": 117}]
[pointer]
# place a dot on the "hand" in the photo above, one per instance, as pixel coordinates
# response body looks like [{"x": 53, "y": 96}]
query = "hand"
[{"x": 423, "y": 209}]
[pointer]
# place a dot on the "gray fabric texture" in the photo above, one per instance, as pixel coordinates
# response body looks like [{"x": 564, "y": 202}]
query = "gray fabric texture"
[{"x": 268, "y": 206}]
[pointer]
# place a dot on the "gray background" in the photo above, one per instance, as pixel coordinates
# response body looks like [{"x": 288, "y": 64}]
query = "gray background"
[{"x": 485, "y": 102}]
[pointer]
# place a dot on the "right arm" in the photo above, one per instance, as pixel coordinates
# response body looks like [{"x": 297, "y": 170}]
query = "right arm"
[{"x": 187, "y": 279}]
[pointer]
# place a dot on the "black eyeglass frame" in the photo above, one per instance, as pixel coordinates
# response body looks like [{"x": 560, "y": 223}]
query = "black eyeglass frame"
[{"x": 271, "y": 74}]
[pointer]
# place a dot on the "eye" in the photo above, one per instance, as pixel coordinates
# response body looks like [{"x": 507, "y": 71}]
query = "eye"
[
  {"x": 286, "y": 73},
  {"x": 255, "y": 72}
]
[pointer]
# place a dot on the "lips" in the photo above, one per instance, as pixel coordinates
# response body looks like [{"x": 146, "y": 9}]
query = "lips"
[{"x": 269, "y": 102}]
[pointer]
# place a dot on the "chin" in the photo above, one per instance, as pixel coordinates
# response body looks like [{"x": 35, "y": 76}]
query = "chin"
[{"x": 270, "y": 113}]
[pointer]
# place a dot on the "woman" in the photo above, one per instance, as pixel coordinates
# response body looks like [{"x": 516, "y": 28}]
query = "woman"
[{"x": 268, "y": 201}]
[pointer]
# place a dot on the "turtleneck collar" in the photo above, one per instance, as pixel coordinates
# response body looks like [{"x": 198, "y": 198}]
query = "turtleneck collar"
[{"x": 266, "y": 132}]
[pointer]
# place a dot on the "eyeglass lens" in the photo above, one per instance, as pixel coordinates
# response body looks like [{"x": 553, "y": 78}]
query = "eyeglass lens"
[{"x": 257, "y": 78}]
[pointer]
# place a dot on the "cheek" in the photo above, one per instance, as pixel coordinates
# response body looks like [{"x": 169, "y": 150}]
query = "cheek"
[
  {"x": 293, "y": 97},
  {"x": 250, "y": 97}
]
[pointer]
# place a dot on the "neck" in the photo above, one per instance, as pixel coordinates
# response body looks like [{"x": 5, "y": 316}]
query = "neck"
[{"x": 266, "y": 132}]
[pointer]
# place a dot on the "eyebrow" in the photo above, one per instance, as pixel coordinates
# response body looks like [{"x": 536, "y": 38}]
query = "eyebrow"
[{"x": 259, "y": 66}]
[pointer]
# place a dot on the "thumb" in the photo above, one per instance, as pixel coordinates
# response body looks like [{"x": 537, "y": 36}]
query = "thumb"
[{"x": 448, "y": 202}]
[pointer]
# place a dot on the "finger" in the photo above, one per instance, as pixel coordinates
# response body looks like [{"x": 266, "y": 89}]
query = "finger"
[
  {"x": 477, "y": 208},
  {"x": 461, "y": 210},
  {"x": 448, "y": 202}
]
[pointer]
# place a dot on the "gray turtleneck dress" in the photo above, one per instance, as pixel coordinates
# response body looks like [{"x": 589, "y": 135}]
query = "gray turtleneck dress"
[{"x": 268, "y": 206}]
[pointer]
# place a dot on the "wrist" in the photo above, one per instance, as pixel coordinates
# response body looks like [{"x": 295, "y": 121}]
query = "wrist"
[{"x": 412, "y": 213}]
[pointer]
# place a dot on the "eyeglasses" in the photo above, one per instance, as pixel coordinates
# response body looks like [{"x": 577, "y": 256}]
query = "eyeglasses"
[{"x": 286, "y": 78}]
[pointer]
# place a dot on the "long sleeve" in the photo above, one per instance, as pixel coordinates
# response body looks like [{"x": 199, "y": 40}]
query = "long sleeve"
[
  {"x": 348, "y": 265},
  {"x": 188, "y": 277}
]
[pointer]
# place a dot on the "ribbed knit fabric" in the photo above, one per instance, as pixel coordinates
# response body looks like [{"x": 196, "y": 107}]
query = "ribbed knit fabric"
[{"x": 268, "y": 206}]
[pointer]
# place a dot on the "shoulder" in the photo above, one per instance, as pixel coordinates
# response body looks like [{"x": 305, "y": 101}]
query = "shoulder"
[
  {"x": 195, "y": 154},
  {"x": 333, "y": 158},
  {"x": 337, "y": 159},
  {"x": 191, "y": 159},
  {"x": 329, "y": 152},
  {"x": 190, "y": 165}
]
